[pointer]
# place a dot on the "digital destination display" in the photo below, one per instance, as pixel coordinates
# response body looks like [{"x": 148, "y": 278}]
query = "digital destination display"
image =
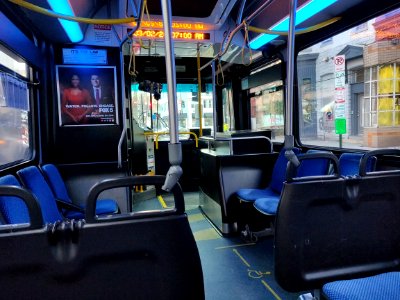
[
  {"x": 183, "y": 35},
  {"x": 175, "y": 25}
]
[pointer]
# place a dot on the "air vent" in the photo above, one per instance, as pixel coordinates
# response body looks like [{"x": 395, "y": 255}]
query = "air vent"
[
  {"x": 150, "y": 69},
  {"x": 180, "y": 69}
]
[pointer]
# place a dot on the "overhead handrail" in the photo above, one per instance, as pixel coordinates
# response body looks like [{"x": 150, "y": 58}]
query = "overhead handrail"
[
  {"x": 53, "y": 14},
  {"x": 157, "y": 134},
  {"x": 133, "y": 71},
  {"x": 297, "y": 31},
  {"x": 268, "y": 31},
  {"x": 236, "y": 30}
]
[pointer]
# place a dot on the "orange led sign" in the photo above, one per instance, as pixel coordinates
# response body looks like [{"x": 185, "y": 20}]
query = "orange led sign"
[
  {"x": 175, "y": 25},
  {"x": 182, "y": 35}
]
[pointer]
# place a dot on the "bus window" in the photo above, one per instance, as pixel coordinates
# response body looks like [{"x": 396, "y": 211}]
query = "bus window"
[
  {"x": 266, "y": 109},
  {"x": 349, "y": 87},
  {"x": 227, "y": 109},
  {"x": 15, "y": 131},
  {"x": 152, "y": 113}
]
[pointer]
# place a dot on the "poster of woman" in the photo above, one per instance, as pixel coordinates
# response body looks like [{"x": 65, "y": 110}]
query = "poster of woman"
[{"x": 86, "y": 95}]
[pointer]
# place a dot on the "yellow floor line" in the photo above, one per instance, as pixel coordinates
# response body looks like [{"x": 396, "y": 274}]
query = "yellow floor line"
[
  {"x": 162, "y": 202},
  {"x": 195, "y": 217},
  {"x": 234, "y": 246},
  {"x": 206, "y": 234},
  {"x": 271, "y": 290},
  {"x": 241, "y": 257}
]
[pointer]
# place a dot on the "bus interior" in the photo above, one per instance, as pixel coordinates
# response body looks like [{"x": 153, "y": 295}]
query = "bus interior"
[{"x": 217, "y": 149}]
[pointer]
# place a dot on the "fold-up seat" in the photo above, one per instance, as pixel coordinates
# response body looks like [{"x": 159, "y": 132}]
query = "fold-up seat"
[
  {"x": 274, "y": 189},
  {"x": 307, "y": 167},
  {"x": 33, "y": 180},
  {"x": 57, "y": 185}
]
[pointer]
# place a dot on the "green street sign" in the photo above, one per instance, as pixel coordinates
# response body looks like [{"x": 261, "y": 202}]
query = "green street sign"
[{"x": 340, "y": 126}]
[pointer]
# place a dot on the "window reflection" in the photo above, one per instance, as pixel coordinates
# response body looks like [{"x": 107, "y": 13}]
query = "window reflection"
[{"x": 367, "y": 98}]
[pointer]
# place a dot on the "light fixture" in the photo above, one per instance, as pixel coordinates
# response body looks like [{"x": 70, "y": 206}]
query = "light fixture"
[
  {"x": 303, "y": 13},
  {"x": 71, "y": 28}
]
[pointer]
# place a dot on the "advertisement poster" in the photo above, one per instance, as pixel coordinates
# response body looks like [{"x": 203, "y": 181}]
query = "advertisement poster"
[{"x": 86, "y": 95}]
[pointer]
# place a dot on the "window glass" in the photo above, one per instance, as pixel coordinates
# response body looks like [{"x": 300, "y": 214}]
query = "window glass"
[
  {"x": 154, "y": 115},
  {"x": 13, "y": 63},
  {"x": 266, "y": 109},
  {"x": 14, "y": 120},
  {"x": 349, "y": 89},
  {"x": 227, "y": 109}
]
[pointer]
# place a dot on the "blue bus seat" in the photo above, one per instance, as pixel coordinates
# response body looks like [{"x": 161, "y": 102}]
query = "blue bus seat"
[
  {"x": 349, "y": 164},
  {"x": 274, "y": 189},
  {"x": 308, "y": 167},
  {"x": 319, "y": 226},
  {"x": 382, "y": 286},
  {"x": 33, "y": 180},
  {"x": 13, "y": 209},
  {"x": 57, "y": 185},
  {"x": 124, "y": 256}
]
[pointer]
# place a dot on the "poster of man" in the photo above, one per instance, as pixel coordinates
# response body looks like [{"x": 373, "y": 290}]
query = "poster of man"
[{"x": 86, "y": 95}]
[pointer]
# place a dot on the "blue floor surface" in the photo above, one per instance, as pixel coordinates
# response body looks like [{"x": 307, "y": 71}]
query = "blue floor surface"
[{"x": 234, "y": 269}]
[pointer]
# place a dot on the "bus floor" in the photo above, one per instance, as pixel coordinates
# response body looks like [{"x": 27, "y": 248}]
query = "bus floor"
[{"x": 232, "y": 268}]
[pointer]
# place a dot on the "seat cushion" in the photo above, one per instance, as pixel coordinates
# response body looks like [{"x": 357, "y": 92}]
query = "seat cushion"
[
  {"x": 267, "y": 205},
  {"x": 382, "y": 286},
  {"x": 103, "y": 207},
  {"x": 250, "y": 195}
]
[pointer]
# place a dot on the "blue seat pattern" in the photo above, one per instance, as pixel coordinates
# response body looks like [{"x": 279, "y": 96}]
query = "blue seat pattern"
[
  {"x": 382, "y": 286},
  {"x": 312, "y": 167},
  {"x": 275, "y": 187},
  {"x": 13, "y": 209},
  {"x": 349, "y": 164},
  {"x": 250, "y": 195},
  {"x": 33, "y": 180},
  {"x": 267, "y": 206},
  {"x": 56, "y": 183}
]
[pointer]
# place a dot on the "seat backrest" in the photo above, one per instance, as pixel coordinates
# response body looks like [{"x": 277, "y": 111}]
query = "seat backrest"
[
  {"x": 314, "y": 167},
  {"x": 56, "y": 182},
  {"x": 32, "y": 179},
  {"x": 349, "y": 164},
  {"x": 337, "y": 227},
  {"x": 13, "y": 209},
  {"x": 71, "y": 259},
  {"x": 279, "y": 171}
]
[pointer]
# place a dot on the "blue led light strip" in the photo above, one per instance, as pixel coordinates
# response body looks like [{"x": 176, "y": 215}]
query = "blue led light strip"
[
  {"x": 71, "y": 28},
  {"x": 303, "y": 13}
]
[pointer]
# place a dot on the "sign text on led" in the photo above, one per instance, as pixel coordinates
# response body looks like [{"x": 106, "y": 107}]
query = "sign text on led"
[
  {"x": 175, "y": 25},
  {"x": 183, "y": 35}
]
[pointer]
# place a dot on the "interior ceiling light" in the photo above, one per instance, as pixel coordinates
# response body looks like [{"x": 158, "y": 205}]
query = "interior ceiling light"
[
  {"x": 303, "y": 13},
  {"x": 71, "y": 28}
]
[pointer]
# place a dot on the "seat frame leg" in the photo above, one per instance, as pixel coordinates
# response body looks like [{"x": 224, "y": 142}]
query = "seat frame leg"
[{"x": 250, "y": 236}]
